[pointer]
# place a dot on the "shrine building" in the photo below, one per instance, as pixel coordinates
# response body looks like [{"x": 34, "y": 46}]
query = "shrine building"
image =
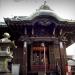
[{"x": 41, "y": 41}]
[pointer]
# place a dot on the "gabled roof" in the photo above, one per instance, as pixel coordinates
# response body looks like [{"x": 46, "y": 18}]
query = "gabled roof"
[
  {"x": 3, "y": 24},
  {"x": 43, "y": 10},
  {"x": 46, "y": 10}
]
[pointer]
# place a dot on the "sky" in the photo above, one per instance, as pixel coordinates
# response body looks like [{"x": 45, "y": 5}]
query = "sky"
[{"x": 9, "y": 8}]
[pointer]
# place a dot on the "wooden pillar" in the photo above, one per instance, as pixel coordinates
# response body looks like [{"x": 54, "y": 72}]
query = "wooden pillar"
[
  {"x": 62, "y": 57},
  {"x": 32, "y": 31},
  {"x": 24, "y": 66},
  {"x": 51, "y": 56},
  {"x": 25, "y": 58},
  {"x": 25, "y": 32}
]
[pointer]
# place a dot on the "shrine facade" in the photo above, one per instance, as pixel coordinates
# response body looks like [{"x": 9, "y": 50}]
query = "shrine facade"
[{"x": 41, "y": 40}]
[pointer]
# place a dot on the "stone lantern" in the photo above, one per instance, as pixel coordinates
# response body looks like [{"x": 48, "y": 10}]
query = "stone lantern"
[{"x": 5, "y": 53}]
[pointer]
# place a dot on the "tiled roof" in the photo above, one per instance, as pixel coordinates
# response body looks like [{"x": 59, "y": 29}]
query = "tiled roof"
[{"x": 3, "y": 24}]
